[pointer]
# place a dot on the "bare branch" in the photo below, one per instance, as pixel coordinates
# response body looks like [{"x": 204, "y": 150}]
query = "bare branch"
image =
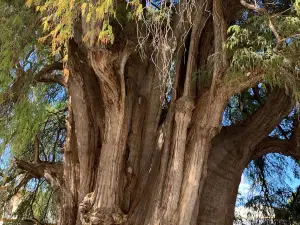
[
  {"x": 52, "y": 78},
  {"x": 47, "y": 74},
  {"x": 37, "y": 221},
  {"x": 36, "y": 150},
  {"x": 37, "y": 170},
  {"x": 280, "y": 40},
  {"x": 288, "y": 146},
  {"x": 282, "y": 131},
  {"x": 197, "y": 28},
  {"x": 51, "y": 171}
]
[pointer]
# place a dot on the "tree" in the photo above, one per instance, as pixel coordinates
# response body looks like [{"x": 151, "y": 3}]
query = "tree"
[
  {"x": 146, "y": 84},
  {"x": 293, "y": 207},
  {"x": 272, "y": 196}
]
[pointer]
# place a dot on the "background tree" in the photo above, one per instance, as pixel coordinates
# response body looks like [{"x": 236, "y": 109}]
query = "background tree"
[{"x": 143, "y": 86}]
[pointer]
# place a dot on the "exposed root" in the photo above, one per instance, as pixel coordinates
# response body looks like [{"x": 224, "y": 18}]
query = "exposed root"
[{"x": 99, "y": 216}]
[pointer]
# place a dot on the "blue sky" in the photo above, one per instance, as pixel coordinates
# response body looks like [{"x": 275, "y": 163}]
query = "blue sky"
[{"x": 290, "y": 179}]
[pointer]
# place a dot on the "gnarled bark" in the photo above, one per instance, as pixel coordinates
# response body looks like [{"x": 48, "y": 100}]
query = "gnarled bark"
[
  {"x": 128, "y": 158},
  {"x": 232, "y": 150}
]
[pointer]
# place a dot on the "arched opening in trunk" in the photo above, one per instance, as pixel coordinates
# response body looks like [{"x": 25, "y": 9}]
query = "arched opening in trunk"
[{"x": 269, "y": 191}]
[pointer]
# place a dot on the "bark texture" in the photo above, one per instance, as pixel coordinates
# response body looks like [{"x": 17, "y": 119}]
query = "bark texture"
[{"x": 131, "y": 157}]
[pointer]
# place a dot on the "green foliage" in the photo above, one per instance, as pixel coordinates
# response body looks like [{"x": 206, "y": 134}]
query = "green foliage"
[
  {"x": 293, "y": 207},
  {"x": 40, "y": 114},
  {"x": 35, "y": 200},
  {"x": 254, "y": 50},
  {"x": 245, "y": 104},
  {"x": 27, "y": 109},
  {"x": 60, "y": 16},
  {"x": 27, "y": 118},
  {"x": 24, "y": 105},
  {"x": 44, "y": 207},
  {"x": 14, "y": 42},
  {"x": 271, "y": 188},
  {"x": 297, "y": 6},
  {"x": 24, "y": 124}
]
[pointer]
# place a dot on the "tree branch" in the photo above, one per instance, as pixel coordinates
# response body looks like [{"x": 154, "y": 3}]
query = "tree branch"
[
  {"x": 47, "y": 74},
  {"x": 197, "y": 29},
  {"x": 277, "y": 106},
  {"x": 27, "y": 177},
  {"x": 252, "y": 79},
  {"x": 52, "y": 172},
  {"x": 35, "y": 169},
  {"x": 37, "y": 221},
  {"x": 282, "y": 131},
  {"x": 248, "y": 134},
  {"x": 275, "y": 145},
  {"x": 36, "y": 150},
  {"x": 272, "y": 27}
]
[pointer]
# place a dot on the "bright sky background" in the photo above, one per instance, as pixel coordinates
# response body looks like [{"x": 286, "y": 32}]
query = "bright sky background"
[{"x": 244, "y": 187}]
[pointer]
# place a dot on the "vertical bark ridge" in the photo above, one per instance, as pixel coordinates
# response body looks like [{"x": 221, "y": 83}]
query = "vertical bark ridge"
[
  {"x": 86, "y": 112},
  {"x": 134, "y": 145},
  {"x": 203, "y": 129},
  {"x": 70, "y": 187},
  {"x": 146, "y": 211},
  {"x": 150, "y": 128},
  {"x": 84, "y": 134},
  {"x": 150, "y": 204},
  {"x": 183, "y": 112},
  {"x": 105, "y": 198},
  {"x": 154, "y": 186},
  {"x": 197, "y": 28},
  {"x": 136, "y": 76}
]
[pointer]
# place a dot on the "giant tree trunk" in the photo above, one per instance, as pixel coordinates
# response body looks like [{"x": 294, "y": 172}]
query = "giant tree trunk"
[
  {"x": 124, "y": 161},
  {"x": 232, "y": 150},
  {"x": 133, "y": 158},
  {"x": 219, "y": 194}
]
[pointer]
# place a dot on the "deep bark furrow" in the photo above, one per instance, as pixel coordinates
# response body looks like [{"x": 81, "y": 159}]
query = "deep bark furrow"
[
  {"x": 197, "y": 28},
  {"x": 106, "y": 199},
  {"x": 194, "y": 171},
  {"x": 160, "y": 162},
  {"x": 84, "y": 133},
  {"x": 184, "y": 107},
  {"x": 150, "y": 128},
  {"x": 134, "y": 145},
  {"x": 69, "y": 203}
]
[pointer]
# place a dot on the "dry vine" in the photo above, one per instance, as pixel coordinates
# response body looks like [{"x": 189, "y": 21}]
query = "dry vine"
[{"x": 157, "y": 27}]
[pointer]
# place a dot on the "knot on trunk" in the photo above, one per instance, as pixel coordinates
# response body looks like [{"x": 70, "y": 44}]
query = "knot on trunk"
[
  {"x": 185, "y": 105},
  {"x": 102, "y": 218},
  {"x": 91, "y": 216},
  {"x": 86, "y": 204},
  {"x": 184, "y": 109}
]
